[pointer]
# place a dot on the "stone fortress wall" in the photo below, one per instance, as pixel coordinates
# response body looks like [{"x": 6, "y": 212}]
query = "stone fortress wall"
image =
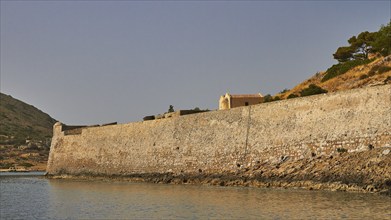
[{"x": 225, "y": 140}]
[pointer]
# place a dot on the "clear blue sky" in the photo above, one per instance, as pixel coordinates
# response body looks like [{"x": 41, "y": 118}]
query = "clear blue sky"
[{"x": 94, "y": 62}]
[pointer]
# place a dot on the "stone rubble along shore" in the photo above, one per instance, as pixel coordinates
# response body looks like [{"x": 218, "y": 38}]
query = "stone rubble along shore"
[{"x": 364, "y": 171}]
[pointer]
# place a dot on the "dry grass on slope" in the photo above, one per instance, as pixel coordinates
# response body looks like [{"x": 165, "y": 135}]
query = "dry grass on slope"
[{"x": 357, "y": 77}]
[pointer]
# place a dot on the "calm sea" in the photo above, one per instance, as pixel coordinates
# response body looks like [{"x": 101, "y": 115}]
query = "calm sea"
[{"x": 31, "y": 196}]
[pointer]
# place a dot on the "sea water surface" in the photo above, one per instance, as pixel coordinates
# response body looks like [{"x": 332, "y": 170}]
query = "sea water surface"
[{"x": 32, "y": 196}]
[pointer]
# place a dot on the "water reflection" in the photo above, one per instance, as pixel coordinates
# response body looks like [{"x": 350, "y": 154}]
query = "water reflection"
[
  {"x": 134, "y": 200},
  {"x": 33, "y": 197}
]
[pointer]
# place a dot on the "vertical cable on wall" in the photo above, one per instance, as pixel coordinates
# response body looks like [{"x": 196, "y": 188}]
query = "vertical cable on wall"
[{"x": 247, "y": 133}]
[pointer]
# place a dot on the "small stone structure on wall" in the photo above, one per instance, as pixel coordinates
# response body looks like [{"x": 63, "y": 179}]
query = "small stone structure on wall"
[
  {"x": 173, "y": 114},
  {"x": 229, "y": 101}
]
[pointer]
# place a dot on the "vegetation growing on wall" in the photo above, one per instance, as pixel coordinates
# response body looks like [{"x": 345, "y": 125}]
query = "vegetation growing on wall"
[{"x": 171, "y": 108}]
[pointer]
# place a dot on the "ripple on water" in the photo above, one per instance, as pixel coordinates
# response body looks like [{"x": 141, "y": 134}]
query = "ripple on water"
[{"x": 29, "y": 197}]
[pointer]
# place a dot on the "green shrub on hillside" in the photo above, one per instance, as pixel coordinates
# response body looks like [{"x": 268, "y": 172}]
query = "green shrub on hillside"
[
  {"x": 364, "y": 76},
  {"x": 383, "y": 69},
  {"x": 269, "y": 98},
  {"x": 277, "y": 98},
  {"x": 312, "y": 90},
  {"x": 341, "y": 68},
  {"x": 379, "y": 70},
  {"x": 291, "y": 96}
]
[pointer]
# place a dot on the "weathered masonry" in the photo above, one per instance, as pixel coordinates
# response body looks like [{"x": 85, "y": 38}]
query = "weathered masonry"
[
  {"x": 222, "y": 141},
  {"x": 229, "y": 101}
]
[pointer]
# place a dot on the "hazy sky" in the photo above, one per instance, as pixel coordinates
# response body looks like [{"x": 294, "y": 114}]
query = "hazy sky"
[{"x": 95, "y": 62}]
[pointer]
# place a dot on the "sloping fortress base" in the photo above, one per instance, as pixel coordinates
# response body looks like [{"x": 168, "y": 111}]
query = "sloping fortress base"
[{"x": 228, "y": 141}]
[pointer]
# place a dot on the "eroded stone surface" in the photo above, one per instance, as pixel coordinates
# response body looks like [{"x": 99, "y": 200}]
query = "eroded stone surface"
[{"x": 227, "y": 142}]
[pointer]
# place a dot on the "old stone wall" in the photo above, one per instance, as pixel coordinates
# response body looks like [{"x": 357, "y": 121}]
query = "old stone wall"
[{"x": 226, "y": 140}]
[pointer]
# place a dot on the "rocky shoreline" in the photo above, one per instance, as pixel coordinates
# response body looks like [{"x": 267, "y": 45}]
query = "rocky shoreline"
[
  {"x": 368, "y": 170},
  {"x": 22, "y": 170}
]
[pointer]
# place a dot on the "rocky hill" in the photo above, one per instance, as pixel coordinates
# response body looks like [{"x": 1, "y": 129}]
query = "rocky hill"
[
  {"x": 20, "y": 121},
  {"x": 25, "y": 134}
]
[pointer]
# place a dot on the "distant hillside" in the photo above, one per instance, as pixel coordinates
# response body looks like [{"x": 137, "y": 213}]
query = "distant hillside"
[{"x": 20, "y": 121}]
